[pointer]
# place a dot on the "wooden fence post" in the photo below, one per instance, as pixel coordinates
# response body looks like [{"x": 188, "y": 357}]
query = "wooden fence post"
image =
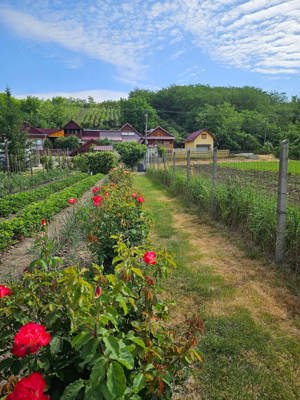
[
  {"x": 165, "y": 167},
  {"x": 174, "y": 164},
  {"x": 282, "y": 202},
  {"x": 188, "y": 166},
  {"x": 214, "y": 181}
]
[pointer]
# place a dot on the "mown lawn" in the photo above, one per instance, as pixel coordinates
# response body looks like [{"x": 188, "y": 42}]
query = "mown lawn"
[
  {"x": 248, "y": 352},
  {"x": 294, "y": 166}
]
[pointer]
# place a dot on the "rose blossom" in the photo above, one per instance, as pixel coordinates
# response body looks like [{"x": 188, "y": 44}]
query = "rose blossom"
[
  {"x": 43, "y": 222},
  {"x": 72, "y": 200},
  {"x": 5, "y": 291},
  {"x": 133, "y": 195},
  {"x": 140, "y": 199},
  {"x": 30, "y": 387},
  {"x": 95, "y": 189},
  {"x": 29, "y": 339},
  {"x": 98, "y": 291},
  {"x": 97, "y": 200},
  {"x": 150, "y": 257}
]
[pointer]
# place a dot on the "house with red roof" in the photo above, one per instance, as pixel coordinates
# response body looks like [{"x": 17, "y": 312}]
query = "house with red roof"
[
  {"x": 127, "y": 133},
  {"x": 201, "y": 140}
]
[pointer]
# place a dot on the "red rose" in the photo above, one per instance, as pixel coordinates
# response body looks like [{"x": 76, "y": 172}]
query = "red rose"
[
  {"x": 29, "y": 388},
  {"x": 150, "y": 257},
  {"x": 98, "y": 291},
  {"x": 97, "y": 201},
  {"x": 72, "y": 200},
  {"x": 133, "y": 195},
  {"x": 140, "y": 199},
  {"x": 95, "y": 189},
  {"x": 29, "y": 339},
  {"x": 5, "y": 291},
  {"x": 43, "y": 222}
]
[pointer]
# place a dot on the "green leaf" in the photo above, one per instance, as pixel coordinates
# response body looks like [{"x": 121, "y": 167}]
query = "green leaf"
[
  {"x": 116, "y": 380},
  {"x": 139, "y": 382},
  {"x": 137, "y": 341},
  {"x": 122, "y": 303},
  {"x": 98, "y": 371},
  {"x": 72, "y": 390},
  {"x": 55, "y": 345},
  {"x": 80, "y": 339},
  {"x": 119, "y": 351},
  {"x": 138, "y": 272}
]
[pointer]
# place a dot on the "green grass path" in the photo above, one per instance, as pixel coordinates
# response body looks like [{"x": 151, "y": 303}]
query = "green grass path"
[{"x": 251, "y": 344}]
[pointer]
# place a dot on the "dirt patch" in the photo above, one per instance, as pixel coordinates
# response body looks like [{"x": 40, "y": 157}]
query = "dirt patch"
[{"x": 16, "y": 258}]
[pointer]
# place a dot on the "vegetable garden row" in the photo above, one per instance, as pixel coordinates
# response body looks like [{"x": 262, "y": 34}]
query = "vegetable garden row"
[
  {"x": 43, "y": 202},
  {"x": 70, "y": 332}
]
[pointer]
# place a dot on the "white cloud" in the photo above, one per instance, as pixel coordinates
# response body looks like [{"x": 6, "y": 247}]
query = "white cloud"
[
  {"x": 255, "y": 35},
  {"x": 98, "y": 95}
]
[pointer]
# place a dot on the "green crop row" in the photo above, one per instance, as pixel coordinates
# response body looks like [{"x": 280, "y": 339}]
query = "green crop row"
[
  {"x": 29, "y": 220},
  {"x": 239, "y": 206},
  {"x": 12, "y": 183},
  {"x": 12, "y": 203}
]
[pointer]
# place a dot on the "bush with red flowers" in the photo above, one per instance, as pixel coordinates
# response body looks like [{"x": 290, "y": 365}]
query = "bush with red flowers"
[
  {"x": 106, "y": 331},
  {"x": 119, "y": 214},
  {"x": 78, "y": 333}
]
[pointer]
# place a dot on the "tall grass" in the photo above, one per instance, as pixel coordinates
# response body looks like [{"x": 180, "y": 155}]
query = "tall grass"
[{"x": 239, "y": 206}]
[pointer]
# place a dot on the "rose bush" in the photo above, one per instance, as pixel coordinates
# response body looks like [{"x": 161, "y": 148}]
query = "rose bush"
[
  {"x": 116, "y": 214},
  {"x": 107, "y": 336}
]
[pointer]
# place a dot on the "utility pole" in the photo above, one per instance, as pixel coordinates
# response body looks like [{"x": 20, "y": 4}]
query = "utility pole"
[
  {"x": 146, "y": 139},
  {"x": 146, "y": 127}
]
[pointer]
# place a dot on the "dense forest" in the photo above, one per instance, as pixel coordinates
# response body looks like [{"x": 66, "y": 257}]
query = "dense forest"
[{"x": 243, "y": 119}]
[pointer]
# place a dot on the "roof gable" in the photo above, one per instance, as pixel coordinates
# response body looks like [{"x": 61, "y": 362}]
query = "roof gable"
[
  {"x": 159, "y": 131},
  {"x": 72, "y": 125},
  {"x": 195, "y": 134},
  {"x": 129, "y": 128}
]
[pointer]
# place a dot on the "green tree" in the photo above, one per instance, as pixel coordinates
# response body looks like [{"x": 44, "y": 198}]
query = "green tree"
[
  {"x": 131, "y": 152},
  {"x": 12, "y": 139},
  {"x": 69, "y": 142},
  {"x": 134, "y": 110}
]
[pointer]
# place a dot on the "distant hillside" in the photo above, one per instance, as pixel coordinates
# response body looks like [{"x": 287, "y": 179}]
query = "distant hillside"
[{"x": 244, "y": 118}]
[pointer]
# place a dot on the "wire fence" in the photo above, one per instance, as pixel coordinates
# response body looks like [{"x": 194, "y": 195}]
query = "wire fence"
[{"x": 259, "y": 197}]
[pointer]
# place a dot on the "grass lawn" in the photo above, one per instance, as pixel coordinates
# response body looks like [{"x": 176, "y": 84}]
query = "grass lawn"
[
  {"x": 294, "y": 165},
  {"x": 251, "y": 346}
]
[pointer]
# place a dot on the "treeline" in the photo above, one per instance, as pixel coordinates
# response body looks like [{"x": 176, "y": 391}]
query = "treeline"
[{"x": 243, "y": 119}]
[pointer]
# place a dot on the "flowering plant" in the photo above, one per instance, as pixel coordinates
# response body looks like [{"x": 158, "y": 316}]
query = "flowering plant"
[{"x": 107, "y": 334}]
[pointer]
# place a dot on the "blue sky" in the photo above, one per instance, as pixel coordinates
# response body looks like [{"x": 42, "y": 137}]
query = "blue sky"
[{"x": 106, "y": 48}]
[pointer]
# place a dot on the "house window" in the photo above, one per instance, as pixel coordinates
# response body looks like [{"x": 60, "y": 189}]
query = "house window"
[{"x": 204, "y": 136}]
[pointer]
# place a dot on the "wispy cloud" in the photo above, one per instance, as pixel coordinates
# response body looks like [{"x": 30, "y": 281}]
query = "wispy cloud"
[
  {"x": 257, "y": 35},
  {"x": 98, "y": 95}
]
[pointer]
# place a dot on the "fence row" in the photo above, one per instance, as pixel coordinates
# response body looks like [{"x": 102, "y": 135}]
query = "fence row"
[{"x": 265, "y": 193}]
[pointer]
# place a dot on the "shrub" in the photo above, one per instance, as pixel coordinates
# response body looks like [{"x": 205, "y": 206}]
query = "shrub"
[
  {"x": 68, "y": 142},
  {"x": 119, "y": 214},
  {"x": 131, "y": 152},
  {"x": 81, "y": 162},
  {"x": 108, "y": 340},
  {"x": 98, "y": 162}
]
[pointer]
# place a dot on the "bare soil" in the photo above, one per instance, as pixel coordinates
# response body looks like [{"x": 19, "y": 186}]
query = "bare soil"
[{"x": 18, "y": 257}]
